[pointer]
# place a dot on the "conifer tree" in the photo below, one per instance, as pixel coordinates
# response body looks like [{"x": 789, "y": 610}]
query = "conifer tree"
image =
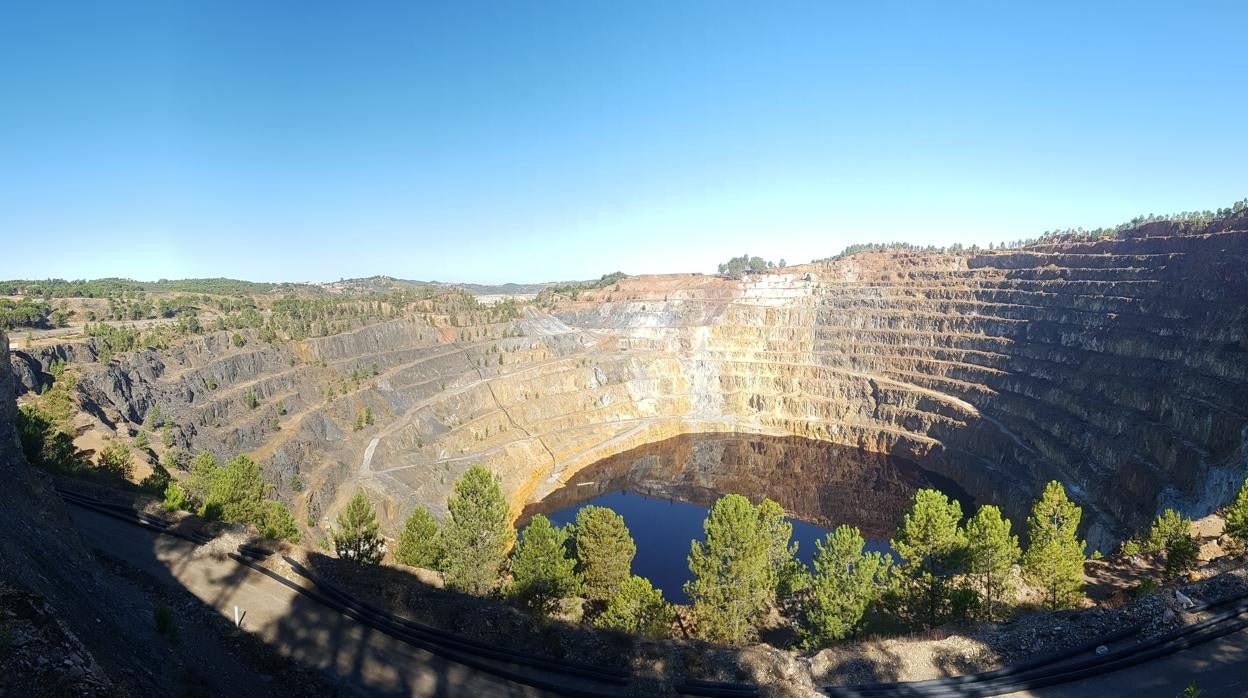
[
  {"x": 785, "y": 570},
  {"x": 478, "y": 533},
  {"x": 202, "y": 469},
  {"x": 931, "y": 547},
  {"x": 418, "y": 543},
  {"x": 1054, "y": 557},
  {"x": 1168, "y": 527},
  {"x": 278, "y": 523},
  {"x": 356, "y": 536},
  {"x": 542, "y": 573},
  {"x": 845, "y": 582},
  {"x": 604, "y": 551},
  {"x": 732, "y": 582},
  {"x": 1171, "y": 535},
  {"x": 116, "y": 460},
  {"x": 1181, "y": 556},
  {"x": 157, "y": 480},
  {"x": 1237, "y": 517},
  {"x": 990, "y": 553},
  {"x": 637, "y": 607},
  {"x": 175, "y": 498},
  {"x": 236, "y": 492}
]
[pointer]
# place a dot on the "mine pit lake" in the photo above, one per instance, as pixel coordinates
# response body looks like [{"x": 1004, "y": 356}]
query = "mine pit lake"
[{"x": 664, "y": 489}]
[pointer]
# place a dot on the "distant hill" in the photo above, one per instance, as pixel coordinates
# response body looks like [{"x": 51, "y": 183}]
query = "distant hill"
[
  {"x": 386, "y": 284},
  {"x": 112, "y": 286}
]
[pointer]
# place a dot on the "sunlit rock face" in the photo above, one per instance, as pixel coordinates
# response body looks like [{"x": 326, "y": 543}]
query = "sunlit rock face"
[{"x": 1118, "y": 367}]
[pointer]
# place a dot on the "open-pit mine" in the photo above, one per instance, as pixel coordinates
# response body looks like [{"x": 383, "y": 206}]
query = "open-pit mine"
[{"x": 1117, "y": 366}]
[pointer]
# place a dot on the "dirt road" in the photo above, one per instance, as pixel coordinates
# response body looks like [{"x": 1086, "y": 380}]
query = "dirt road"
[{"x": 362, "y": 660}]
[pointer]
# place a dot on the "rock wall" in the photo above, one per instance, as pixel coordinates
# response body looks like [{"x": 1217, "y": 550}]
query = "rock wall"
[
  {"x": 1118, "y": 367},
  {"x": 10, "y": 447}
]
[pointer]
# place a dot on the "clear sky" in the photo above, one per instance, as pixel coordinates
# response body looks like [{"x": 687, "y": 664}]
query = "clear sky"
[{"x": 529, "y": 141}]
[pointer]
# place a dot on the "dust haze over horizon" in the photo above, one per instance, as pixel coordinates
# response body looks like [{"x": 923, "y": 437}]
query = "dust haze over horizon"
[{"x": 525, "y": 143}]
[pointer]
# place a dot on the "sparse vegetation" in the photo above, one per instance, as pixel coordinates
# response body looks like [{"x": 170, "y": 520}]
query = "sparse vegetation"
[
  {"x": 732, "y": 581},
  {"x": 542, "y": 572},
  {"x": 419, "y": 544},
  {"x": 237, "y": 493},
  {"x": 991, "y": 551},
  {"x": 478, "y": 534},
  {"x": 163, "y": 620},
  {"x": 175, "y": 498},
  {"x": 116, "y": 460},
  {"x": 604, "y": 551},
  {"x": 1237, "y": 517},
  {"x": 736, "y": 267},
  {"x": 846, "y": 580},
  {"x": 637, "y": 607},
  {"x": 1171, "y": 536},
  {"x": 1054, "y": 557},
  {"x": 356, "y": 536},
  {"x": 932, "y": 550}
]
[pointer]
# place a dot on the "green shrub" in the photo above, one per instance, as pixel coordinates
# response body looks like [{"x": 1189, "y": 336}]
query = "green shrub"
[
  {"x": 163, "y": 619},
  {"x": 116, "y": 460},
  {"x": 637, "y": 607},
  {"x": 278, "y": 522},
  {"x": 175, "y": 498}
]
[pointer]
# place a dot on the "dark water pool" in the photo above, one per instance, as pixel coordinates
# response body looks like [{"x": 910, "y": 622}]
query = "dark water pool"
[{"x": 663, "y": 491}]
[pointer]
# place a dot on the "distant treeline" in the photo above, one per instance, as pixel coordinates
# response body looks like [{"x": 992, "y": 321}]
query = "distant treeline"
[
  {"x": 115, "y": 288},
  {"x": 573, "y": 289},
  {"x": 24, "y": 313},
  {"x": 1190, "y": 219}
]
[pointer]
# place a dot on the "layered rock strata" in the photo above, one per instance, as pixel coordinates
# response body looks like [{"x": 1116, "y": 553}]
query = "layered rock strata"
[{"x": 1119, "y": 367}]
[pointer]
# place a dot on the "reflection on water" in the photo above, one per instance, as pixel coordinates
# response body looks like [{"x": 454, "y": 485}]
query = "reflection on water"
[{"x": 663, "y": 490}]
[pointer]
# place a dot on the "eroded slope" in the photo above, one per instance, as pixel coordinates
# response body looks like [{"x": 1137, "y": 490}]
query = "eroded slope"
[{"x": 1120, "y": 367}]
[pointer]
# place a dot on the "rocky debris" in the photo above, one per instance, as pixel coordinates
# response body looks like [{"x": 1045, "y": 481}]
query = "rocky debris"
[{"x": 38, "y": 655}]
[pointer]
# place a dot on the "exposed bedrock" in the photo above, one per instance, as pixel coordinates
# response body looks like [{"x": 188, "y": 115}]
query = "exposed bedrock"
[{"x": 1119, "y": 367}]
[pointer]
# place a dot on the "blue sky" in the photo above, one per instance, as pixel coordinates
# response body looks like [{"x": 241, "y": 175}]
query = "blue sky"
[{"x": 528, "y": 141}]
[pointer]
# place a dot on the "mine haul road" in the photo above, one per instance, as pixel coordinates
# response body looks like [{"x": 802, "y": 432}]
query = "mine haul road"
[
  {"x": 361, "y": 660},
  {"x": 365, "y": 661}
]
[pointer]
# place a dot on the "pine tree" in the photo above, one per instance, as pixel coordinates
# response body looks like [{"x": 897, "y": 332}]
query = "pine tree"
[
  {"x": 1171, "y": 535},
  {"x": 175, "y": 498},
  {"x": 732, "y": 582},
  {"x": 845, "y": 582},
  {"x": 157, "y": 480},
  {"x": 356, "y": 537},
  {"x": 116, "y": 460},
  {"x": 418, "y": 543},
  {"x": 202, "y": 469},
  {"x": 781, "y": 552},
  {"x": 1054, "y": 557},
  {"x": 1181, "y": 556},
  {"x": 236, "y": 492},
  {"x": 604, "y": 551},
  {"x": 1168, "y": 527},
  {"x": 1237, "y": 517},
  {"x": 931, "y": 547},
  {"x": 991, "y": 551},
  {"x": 637, "y": 607},
  {"x": 478, "y": 533},
  {"x": 278, "y": 523},
  {"x": 541, "y": 571}
]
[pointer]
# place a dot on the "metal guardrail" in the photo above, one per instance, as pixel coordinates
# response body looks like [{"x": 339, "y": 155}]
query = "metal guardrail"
[{"x": 1061, "y": 667}]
